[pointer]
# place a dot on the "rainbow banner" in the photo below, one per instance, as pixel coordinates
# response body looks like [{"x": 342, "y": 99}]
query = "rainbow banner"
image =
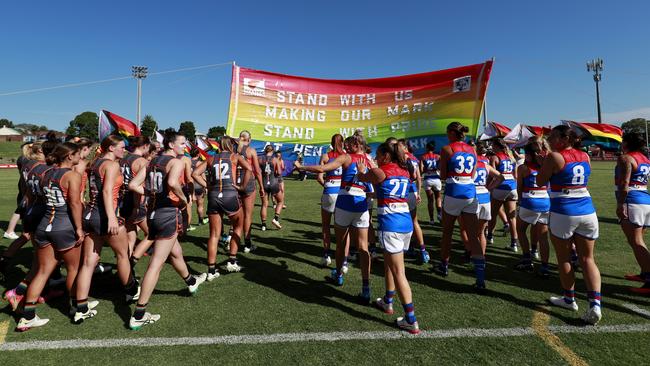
[
  {"x": 299, "y": 115},
  {"x": 608, "y": 137}
]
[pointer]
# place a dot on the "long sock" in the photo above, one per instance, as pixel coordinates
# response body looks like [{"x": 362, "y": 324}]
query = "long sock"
[
  {"x": 409, "y": 313},
  {"x": 140, "y": 309},
  {"x": 232, "y": 259},
  {"x": 365, "y": 287},
  {"x": 479, "y": 269},
  {"x": 422, "y": 248},
  {"x": 82, "y": 305},
  {"x": 212, "y": 268},
  {"x": 131, "y": 288},
  {"x": 29, "y": 310},
  {"x": 388, "y": 298},
  {"x": 190, "y": 280},
  {"x": 133, "y": 261},
  {"x": 594, "y": 298},
  {"x": 526, "y": 258},
  {"x": 4, "y": 262},
  {"x": 21, "y": 289},
  {"x": 569, "y": 296},
  {"x": 57, "y": 273},
  {"x": 73, "y": 302}
]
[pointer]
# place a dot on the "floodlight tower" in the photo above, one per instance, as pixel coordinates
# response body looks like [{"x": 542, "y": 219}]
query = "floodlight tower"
[
  {"x": 596, "y": 66},
  {"x": 139, "y": 73}
]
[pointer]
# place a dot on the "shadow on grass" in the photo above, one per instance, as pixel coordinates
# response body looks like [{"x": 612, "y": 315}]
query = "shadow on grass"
[{"x": 280, "y": 278}]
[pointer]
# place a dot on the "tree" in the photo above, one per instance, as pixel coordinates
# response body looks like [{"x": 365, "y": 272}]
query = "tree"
[
  {"x": 216, "y": 131},
  {"x": 188, "y": 130},
  {"x": 6, "y": 123},
  {"x": 84, "y": 125},
  {"x": 148, "y": 126},
  {"x": 635, "y": 125}
]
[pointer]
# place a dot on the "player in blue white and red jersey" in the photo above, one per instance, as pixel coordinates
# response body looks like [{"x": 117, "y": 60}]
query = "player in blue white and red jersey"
[
  {"x": 573, "y": 218},
  {"x": 331, "y": 182},
  {"x": 391, "y": 180},
  {"x": 457, "y": 168},
  {"x": 483, "y": 171},
  {"x": 534, "y": 206},
  {"x": 351, "y": 217},
  {"x": 506, "y": 193},
  {"x": 432, "y": 183},
  {"x": 633, "y": 208},
  {"x": 414, "y": 200}
]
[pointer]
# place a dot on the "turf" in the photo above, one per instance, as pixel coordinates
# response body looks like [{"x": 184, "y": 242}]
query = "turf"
[
  {"x": 9, "y": 151},
  {"x": 282, "y": 290}
]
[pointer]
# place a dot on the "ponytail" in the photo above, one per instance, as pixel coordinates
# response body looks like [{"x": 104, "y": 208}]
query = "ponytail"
[
  {"x": 61, "y": 152},
  {"x": 567, "y": 132},
  {"x": 458, "y": 129},
  {"x": 397, "y": 155}
]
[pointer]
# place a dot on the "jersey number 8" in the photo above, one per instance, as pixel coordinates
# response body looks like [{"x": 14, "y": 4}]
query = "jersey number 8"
[{"x": 578, "y": 175}]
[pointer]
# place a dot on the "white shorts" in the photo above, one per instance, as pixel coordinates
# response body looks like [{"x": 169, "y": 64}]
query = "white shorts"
[
  {"x": 345, "y": 218},
  {"x": 328, "y": 202},
  {"x": 638, "y": 214},
  {"x": 456, "y": 206},
  {"x": 485, "y": 211},
  {"x": 504, "y": 195},
  {"x": 532, "y": 217},
  {"x": 412, "y": 201},
  {"x": 393, "y": 242},
  {"x": 564, "y": 226},
  {"x": 432, "y": 184}
]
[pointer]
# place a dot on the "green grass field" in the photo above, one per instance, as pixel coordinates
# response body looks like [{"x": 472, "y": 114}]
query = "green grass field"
[
  {"x": 282, "y": 290},
  {"x": 9, "y": 151}
]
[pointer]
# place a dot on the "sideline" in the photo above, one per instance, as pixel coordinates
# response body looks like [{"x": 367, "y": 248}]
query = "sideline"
[{"x": 318, "y": 337}]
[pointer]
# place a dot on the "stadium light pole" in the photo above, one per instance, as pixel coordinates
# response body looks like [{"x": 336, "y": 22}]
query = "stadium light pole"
[
  {"x": 139, "y": 73},
  {"x": 596, "y": 66}
]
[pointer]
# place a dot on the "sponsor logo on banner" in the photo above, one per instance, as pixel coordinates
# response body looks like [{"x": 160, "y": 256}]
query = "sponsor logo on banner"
[
  {"x": 462, "y": 84},
  {"x": 254, "y": 87}
]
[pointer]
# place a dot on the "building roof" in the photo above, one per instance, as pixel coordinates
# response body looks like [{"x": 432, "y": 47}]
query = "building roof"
[{"x": 6, "y": 131}]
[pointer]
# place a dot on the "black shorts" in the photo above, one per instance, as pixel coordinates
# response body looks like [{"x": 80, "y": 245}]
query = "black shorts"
[
  {"x": 164, "y": 223},
  {"x": 32, "y": 217},
  {"x": 187, "y": 192},
  {"x": 250, "y": 188},
  {"x": 139, "y": 214},
  {"x": 272, "y": 189},
  {"x": 199, "y": 192},
  {"x": 95, "y": 221},
  {"x": 228, "y": 204},
  {"x": 127, "y": 206},
  {"x": 62, "y": 240}
]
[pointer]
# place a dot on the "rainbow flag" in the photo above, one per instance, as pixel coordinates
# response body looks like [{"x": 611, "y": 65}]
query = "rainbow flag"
[
  {"x": 539, "y": 131},
  {"x": 213, "y": 144},
  {"x": 188, "y": 150},
  {"x": 112, "y": 123},
  {"x": 495, "y": 130},
  {"x": 608, "y": 137}
]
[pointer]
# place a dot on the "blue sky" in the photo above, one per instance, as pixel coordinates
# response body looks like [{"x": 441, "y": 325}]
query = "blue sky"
[{"x": 539, "y": 74}]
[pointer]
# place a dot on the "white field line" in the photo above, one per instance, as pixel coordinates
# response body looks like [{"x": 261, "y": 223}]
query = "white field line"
[
  {"x": 314, "y": 337},
  {"x": 638, "y": 310}
]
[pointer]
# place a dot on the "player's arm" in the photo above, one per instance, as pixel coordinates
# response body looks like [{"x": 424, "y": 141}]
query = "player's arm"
[
  {"x": 111, "y": 172},
  {"x": 335, "y": 164},
  {"x": 445, "y": 154},
  {"x": 320, "y": 178},
  {"x": 551, "y": 165},
  {"x": 176, "y": 169},
  {"x": 198, "y": 175},
  {"x": 73, "y": 180}
]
